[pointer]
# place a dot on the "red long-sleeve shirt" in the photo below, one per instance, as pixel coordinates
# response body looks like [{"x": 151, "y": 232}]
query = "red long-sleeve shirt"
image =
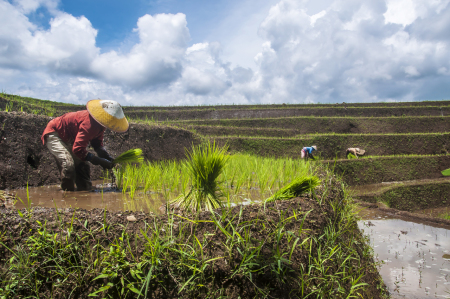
[{"x": 77, "y": 128}]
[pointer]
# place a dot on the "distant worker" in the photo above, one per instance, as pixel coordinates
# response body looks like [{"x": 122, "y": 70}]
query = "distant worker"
[
  {"x": 355, "y": 151},
  {"x": 307, "y": 152},
  {"x": 67, "y": 137}
]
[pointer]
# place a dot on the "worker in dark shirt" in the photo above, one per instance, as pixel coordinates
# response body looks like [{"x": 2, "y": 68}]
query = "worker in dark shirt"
[{"x": 68, "y": 136}]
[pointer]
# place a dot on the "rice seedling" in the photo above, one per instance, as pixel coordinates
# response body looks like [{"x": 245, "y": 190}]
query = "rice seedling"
[
  {"x": 205, "y": 164},
  {"x": 130, "y": 156},
  {"x": 297, "y": 187}
]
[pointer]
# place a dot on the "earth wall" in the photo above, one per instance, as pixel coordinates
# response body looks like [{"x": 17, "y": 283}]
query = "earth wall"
[
  {"x": 334, "y": 146},
  {"x": 368, "y": 171},
  {"x": 24, "y": 159}
]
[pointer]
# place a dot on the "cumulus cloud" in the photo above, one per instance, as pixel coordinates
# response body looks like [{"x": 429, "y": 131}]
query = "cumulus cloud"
[
  {"x": 156, "y": 59},
  {"x": 349, "y": 50}
]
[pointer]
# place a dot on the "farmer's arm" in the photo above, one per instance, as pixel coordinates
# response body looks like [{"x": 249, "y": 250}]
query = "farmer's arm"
[{"x": 97, "y": 144}]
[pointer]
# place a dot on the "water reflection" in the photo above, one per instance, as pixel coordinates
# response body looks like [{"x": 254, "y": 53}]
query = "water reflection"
[{"x": 415, "y": 256}]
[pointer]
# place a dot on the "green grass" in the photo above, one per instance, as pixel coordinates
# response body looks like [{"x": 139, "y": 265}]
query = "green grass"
[
  {"x": 244, "y": 177},
  {"x": 178, "y": 256}
]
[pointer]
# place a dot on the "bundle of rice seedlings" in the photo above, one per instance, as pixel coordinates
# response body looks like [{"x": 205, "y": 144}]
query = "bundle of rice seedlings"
[
  {"x": 130, "y": 156},
  {"x": 351, "y": 156},
  {"x": 446, "y": 172},
  {"x": 297, "y": 187},
  {"x": 205, "y": 163}
]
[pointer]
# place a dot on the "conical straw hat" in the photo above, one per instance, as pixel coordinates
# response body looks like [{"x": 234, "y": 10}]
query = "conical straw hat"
[{"x": 109, "y": 114}]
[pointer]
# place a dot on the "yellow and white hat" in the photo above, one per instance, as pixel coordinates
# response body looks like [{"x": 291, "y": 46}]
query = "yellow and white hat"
[{"x": 109, "y": 114}]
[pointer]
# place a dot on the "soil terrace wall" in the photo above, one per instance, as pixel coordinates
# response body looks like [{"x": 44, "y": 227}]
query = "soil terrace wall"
[
  {"x": 288, "y": 106},
  {"x": 377, "y": 170},
  {"x": 24, "y": 159},
  {"x": 311, "y": 125},
  {"x": 332, "y": 146},
  {"x": 413, "y": 198},
  {"x": 265, "y": 113}
]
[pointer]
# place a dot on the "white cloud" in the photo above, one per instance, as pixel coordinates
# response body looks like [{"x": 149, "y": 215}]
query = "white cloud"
[
  {"x": 155, "y": 60},
  {"x": 332, "y": 51}
]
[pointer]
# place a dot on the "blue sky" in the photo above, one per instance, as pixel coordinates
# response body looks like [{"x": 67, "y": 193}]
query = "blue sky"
[{"x": 172, "y": 52}]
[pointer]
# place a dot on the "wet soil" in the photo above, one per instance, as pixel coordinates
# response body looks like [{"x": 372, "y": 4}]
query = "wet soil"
[
  {"x": 17, "y": 229},
  {"x": 408, "y": 196},
  {"x": 23, "y": 158},
  {"x": 375, "y": 210},
  {"x": 291, "y": 126},
  {"x": 271, "y": 113},
  {"x": 368, "y": 171},
  {"x": 335, "y": 146}
]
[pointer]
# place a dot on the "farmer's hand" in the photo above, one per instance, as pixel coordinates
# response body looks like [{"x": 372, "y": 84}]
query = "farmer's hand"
[
  {"x": 102, "y": 153},
  {"x": 102, "y": 162}
]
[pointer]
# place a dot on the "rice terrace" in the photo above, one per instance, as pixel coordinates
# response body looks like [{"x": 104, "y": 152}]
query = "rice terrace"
[{"x": 223, "y": 205}]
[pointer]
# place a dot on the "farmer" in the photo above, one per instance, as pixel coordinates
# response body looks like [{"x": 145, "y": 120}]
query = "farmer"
[
  {"x": 67, "y": 137},
  {"x": 307, "y": 152},
  {"x": 355, "y": 151}
]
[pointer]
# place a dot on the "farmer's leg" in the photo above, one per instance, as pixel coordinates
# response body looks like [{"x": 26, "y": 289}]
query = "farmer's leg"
[
  {"x": 64, "y": 160},
  {"x": 83, "y": 175}
]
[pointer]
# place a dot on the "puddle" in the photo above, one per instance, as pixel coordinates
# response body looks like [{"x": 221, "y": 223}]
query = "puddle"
[{"x": 416, "y": 257}]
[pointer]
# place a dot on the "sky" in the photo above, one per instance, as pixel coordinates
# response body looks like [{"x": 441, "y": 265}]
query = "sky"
[{"x": 198, "y": 52}]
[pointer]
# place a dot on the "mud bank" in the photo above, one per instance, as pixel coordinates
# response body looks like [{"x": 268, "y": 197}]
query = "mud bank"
[
  {"x": 414, "y": 197},
  {"x": 291, "y": 126},
  {"x": 332, "y": 146},
  {"x": 23, "y": 158},
  {"x": 365, "y": 171},
  {"x": 380, "y": 208},
  {"x": 282, "y": 112},
  {"x": 278, "y": 250}
]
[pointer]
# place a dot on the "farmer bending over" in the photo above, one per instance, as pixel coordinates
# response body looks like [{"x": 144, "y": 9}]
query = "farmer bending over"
[
  {"x": 67, "y": 137},
  {"x": 355, "y": 151},
  {"x": 307, "y": 152}
]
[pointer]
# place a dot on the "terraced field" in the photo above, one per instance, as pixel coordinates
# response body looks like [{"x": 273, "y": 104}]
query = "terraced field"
[
  {"x": 403, "y": 141},
  {"x": 407, "y": 144}
]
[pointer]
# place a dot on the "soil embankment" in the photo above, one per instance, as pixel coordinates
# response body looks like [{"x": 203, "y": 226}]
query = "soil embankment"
[
  {"x": 332, "y": 146},
  {"x": 292, "y": 126},
  {"x": 163, "y": 115},
  {"x": 413, "y": 197},
  {"x": 290, "y": 106},
  {"x": 366, "y": 171},
  {"x": 23, "y": 158},
  {"x": 286, "y": 249}
]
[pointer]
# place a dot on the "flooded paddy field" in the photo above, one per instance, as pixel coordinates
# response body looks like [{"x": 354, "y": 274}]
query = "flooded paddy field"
[{"x": 415, "y": 257}]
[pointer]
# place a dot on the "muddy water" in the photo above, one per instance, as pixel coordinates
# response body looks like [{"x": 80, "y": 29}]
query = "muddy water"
[
  {"x": 103, "y": 196},
  {"x": 415, "y": 257}
]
